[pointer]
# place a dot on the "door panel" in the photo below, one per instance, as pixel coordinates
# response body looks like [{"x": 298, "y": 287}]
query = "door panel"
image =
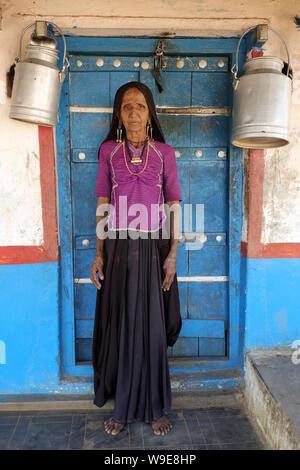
[
  {"x": 88, "y": 129},
  {"x": 209, "y": 131},
  {"x": 89, "y": 88},
  {"x": 201, "y": 142},
  {"x": 209, "y": 89},
  {"x": 177, "y": 90},
  {"x": 205, "y": 299}
]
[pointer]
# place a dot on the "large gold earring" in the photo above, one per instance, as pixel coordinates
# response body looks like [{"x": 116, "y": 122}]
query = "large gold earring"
[
  {"x": 119, "y": 134},
  {"x": 147, "y": 130}
]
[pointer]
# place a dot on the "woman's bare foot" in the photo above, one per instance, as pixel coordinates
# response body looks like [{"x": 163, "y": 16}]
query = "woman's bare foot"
[
  {"x": 112, "y": 427},
  {"x": 161, "y": 426}
]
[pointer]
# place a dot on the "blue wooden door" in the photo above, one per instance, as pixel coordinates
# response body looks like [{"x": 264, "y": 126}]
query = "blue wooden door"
[
  {"x": 198, "y": 130},
  {"x": 199, "y": 90}
]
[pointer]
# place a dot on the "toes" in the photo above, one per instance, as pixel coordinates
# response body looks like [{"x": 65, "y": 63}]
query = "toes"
[
  {"x": 156, "y": 430},
  {"x": 162, "y": 426},
  {"x": 117, "y": 428},
  {"x": 108, "y": 421},
  {"x": 162, "y": 430},
  {"x": 111, "y": 427},
  {"x": 108, "y": 425},
  {"x": 165, "y": 428}
]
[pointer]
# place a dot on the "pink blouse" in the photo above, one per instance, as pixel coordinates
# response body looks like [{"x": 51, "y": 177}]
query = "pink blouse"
[{"x": 137, "y": 198}]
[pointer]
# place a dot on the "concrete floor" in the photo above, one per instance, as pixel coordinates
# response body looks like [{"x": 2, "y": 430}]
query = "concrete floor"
[
  {"x": 220, "y": 423},
  {"x": 265, "y": 414}
]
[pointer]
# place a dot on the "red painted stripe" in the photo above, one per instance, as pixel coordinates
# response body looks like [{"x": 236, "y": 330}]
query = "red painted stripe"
[
  {"x": 49, "y": 251},
  {"x": 48, "y": 192},
  {"x": 271, "y": 250},
  {"x": 255, "y": 201}
]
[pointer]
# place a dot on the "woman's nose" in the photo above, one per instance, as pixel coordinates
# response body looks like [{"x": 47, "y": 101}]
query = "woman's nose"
[{"x": 133, "y": 113}]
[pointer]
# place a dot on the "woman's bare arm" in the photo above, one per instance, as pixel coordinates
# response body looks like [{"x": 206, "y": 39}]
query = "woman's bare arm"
[
  {"x": 100, "y": 238},
  {"x": 169, "y": 265},
  {"x": 98, "y": 262},
  {"x": 174, "y": 226}
]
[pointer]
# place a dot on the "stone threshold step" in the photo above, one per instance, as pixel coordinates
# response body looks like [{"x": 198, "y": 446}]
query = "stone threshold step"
[
  {"x": 184, "y": 398},
  {"x": 272, "y": 396},
  {"x": 185, "y": 376}
]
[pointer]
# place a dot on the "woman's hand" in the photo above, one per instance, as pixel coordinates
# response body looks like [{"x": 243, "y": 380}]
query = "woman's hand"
[
  {"x": 169, "y": 268},
  {"x": 97, "y": 266}
]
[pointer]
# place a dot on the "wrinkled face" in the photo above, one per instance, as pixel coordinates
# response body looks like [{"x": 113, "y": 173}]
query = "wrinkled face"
[{"x": 134, "y": 111}]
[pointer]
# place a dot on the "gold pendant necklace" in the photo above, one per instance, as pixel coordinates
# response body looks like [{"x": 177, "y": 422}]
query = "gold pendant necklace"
[
  {"x": 146, "y": 161},
  {"x": 135, "y": 159}
]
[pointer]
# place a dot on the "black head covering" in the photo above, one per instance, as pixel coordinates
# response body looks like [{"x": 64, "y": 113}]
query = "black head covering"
[{"x": 157, "y": 133}]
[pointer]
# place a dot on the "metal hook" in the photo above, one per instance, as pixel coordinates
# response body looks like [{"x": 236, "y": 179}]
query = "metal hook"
[
  {"x": 65, "y": 66},
  {"x": 247, "y": 31}
]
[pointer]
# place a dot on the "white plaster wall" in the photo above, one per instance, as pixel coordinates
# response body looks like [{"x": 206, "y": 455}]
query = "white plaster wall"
[
  {"x": 20, "y": 190},
  {"x": 20, "y": 201},
  {"x": 281, "y": 209}
]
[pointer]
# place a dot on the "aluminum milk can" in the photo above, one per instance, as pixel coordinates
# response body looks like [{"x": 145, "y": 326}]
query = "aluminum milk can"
[
  {"x": 261, "y": 103},
  {"x": 37, "y": 82}
]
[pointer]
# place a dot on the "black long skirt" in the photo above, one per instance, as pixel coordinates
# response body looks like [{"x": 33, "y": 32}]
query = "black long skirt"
[{"x": 135, "y": 322}]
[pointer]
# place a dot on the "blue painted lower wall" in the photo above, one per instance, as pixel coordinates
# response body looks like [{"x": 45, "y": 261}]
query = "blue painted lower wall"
[
  {"x": 29, "y": 327},
  {"x": 272, "y": 303},
  {"x": 29, "y": 320}
]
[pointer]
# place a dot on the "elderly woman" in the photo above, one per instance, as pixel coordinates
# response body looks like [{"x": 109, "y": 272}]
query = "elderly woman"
[{"x": 137, "y": 312}]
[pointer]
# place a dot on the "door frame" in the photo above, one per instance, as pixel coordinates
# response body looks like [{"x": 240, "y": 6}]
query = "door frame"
[{"x": 119, "y": 46}]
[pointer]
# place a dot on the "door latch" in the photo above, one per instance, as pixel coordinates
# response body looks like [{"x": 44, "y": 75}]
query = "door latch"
[{"x": 158, "y": 64}]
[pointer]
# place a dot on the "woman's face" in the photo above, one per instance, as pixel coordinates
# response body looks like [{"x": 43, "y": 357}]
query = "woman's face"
[{"x": 134, "y": 111}]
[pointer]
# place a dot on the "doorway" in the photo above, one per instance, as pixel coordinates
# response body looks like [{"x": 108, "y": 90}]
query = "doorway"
[{"x": 194, "y": 110}]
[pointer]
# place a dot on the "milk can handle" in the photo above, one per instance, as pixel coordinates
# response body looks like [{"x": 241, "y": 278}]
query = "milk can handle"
[
  {"x": 235, "y": 66},
  {"x": 65, "y": 65}
]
